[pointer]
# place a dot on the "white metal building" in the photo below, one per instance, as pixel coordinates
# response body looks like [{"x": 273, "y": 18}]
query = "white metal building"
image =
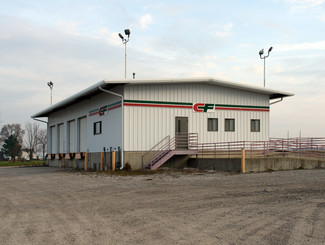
[{"x": 218, "y": 111}]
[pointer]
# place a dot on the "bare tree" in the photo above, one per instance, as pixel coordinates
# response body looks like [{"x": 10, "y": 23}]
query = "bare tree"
[
  {"x": 32, "y": 138},
  {"x": 42, "y": 140}
]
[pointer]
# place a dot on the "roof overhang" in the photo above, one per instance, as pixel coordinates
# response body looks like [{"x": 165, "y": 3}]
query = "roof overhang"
[
  {"x": 107, "y": 84},
  {"x": 84, "y": 94}
]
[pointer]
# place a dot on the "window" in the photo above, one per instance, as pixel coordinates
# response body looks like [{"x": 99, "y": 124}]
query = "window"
[
  {"x": 98, "y": 127},
  {"x": 212, "y": 124},
  {"x": 255, "y": 125},
  {"x": 229, "y": 125}
]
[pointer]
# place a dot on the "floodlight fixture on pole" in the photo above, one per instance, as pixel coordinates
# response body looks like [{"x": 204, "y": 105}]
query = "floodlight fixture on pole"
[
  {"x": 264, "y": 57},
  {"x": 124, "y": 41},
  {"x": 50, "y": 84}
]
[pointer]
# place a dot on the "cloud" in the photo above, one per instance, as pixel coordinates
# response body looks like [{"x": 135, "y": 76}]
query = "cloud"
[
  {"x": 224, "y": 30},
  {"x": 246, "y": 45},
  {"x": 322, "y": 17},
  {"x": 111, "y": 37},
  {"x": 301, "y": 5},
  {"x": 75, "y": 56},
  {"x": 31, "y": 56},
  {"x": 69, "y": 28},
  {"x": 320, "y": 45},
  {"x": 145, "y": 20},
  {"x": 305, "y": 3}
]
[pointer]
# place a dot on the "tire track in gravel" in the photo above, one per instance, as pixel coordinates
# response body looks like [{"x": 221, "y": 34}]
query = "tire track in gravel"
[{"x": 310, "y": 225}]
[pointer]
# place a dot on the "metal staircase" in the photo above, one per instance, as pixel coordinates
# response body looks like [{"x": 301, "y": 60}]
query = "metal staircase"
[{"x": 181, "y": 144}]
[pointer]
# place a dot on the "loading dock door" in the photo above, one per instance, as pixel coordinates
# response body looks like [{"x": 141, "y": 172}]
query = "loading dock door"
[
  {"x": 53, "y": 140},
  {"x": 82, "y": 134},
  {"x": 181, "y": 132},
  {"x": 71, "y": 136},
  {"x": 61, "y": 138}
]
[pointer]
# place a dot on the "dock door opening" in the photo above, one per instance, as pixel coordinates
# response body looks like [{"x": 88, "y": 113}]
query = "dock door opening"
[{"x": 82, "y": 134}]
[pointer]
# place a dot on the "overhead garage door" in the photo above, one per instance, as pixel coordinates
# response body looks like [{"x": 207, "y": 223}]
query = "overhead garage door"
[
  {"x": 71, "y": 136},
  {"x": 61, "y": 138},
  {"x": 53, "y": 140},
  {"x": 83, "y": 134}
]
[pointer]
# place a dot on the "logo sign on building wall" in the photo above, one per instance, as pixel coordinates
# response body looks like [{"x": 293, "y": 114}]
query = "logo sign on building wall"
[
  {"x": 103, "y": 110},
  {"x": 202, "y": 107}
]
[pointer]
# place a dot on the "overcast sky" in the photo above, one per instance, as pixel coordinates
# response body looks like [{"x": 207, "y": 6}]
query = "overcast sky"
[{"x": 75, "y": 44}]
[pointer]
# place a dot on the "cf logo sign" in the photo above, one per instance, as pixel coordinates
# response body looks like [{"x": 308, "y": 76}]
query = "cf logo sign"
[
  {"x": 201, "y": 107},
  {"x": 103, "y": 110}
]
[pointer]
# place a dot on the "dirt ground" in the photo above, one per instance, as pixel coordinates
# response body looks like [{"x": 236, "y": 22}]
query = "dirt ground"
[{"x": 49, "y": 206}]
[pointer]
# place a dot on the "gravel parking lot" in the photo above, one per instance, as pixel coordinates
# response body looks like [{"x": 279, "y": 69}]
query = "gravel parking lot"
[{"x": 51, "y": 206}]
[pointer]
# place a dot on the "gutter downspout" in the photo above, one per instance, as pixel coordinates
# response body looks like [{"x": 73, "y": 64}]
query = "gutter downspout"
[
  {"x": 122, "y": 103},
  {"x": 276, "y": 101}
]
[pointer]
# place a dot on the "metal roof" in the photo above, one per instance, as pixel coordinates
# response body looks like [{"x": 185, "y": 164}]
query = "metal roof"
[{"x": 107, "y": 84}]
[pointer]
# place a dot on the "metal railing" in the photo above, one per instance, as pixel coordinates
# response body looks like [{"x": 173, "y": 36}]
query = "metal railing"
[
  {"x": 181, "y": 141},
  {"x": 291, "y": 147}
]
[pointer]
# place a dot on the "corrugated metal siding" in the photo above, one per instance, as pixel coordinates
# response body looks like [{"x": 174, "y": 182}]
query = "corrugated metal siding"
[
  {"x": 145, "y": 126},
  {"x": 78, "y": 125}
]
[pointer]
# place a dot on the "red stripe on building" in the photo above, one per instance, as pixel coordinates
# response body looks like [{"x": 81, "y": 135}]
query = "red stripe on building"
[
  {"x": 94, "y": 113},
  {"x": 164, "y": 106},
  {"x": 240, "y": 109},
  {"x": 114, "y": 107}
]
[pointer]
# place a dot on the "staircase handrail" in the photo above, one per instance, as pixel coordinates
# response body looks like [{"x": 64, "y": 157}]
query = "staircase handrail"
[
  {"x": 167, "y": 138},
  {"x": 191, "y": 143},
  {"x": 302, "y": 147}
]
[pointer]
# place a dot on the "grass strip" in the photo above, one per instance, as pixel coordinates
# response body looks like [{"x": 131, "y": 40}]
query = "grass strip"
[{"x": 18, "y": 163}]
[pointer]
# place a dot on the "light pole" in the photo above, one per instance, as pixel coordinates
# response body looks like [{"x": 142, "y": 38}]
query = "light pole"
[
  {"x": 124, "y": 41},
  {"x": 264, "y": 57},
  {"x": 50, "y": 84}
]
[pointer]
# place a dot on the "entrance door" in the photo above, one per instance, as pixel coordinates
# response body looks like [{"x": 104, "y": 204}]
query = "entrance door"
[{"x": 181, "y": 132}]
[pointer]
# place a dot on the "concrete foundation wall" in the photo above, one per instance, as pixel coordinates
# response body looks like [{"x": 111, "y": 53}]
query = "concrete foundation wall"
[
  {"x": 255, "y": 164},
  {"x": 93, "y": 161},
  {"x": 68, "y": 163},
  {"x": 221, "y": 164},
  {"x": 267, "y": 164},
  {"x": 177, "y": 162},
  {"x": 134, "y": 158}
]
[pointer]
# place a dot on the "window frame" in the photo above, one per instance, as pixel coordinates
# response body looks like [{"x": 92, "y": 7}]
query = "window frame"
[
  {"x": 253, "y": 125},
  {"x": 227, "y": 125},
  {"x": 95, "y": 127},
  {"x": 217, "y": 126}
]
